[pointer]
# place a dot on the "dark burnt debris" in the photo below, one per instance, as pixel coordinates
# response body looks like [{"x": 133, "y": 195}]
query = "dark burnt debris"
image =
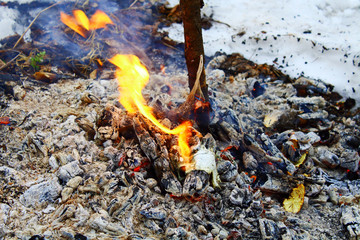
[{"x": 75, "y": 165}]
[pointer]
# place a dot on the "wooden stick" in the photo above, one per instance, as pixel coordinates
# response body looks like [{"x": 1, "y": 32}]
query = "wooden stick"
[
  {"x": 133, "y": 3},
  {"x": 27, "y": 29},
  {"x": 194, "y": 48}
]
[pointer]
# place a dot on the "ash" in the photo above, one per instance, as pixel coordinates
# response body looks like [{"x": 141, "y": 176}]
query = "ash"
[{"x": 74, "y": 164}]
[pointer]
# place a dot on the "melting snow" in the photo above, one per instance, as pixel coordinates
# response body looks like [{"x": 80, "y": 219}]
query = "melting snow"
[{"x": 314, "y": 38}]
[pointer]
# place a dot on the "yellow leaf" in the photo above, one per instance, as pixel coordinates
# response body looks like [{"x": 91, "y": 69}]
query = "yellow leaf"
[
  {"x": 295, "y": 201},
  {"x": 301, "y": 160}
]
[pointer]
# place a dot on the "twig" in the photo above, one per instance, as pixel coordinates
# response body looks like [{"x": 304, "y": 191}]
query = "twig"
[
  {"x": 134, "y": 2},
  {"x": 27, "y": 29},
  {"x": 8, "y": 63}
]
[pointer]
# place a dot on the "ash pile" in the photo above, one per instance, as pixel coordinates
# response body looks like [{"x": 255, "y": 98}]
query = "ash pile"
[{"x": 280, "y": 160}]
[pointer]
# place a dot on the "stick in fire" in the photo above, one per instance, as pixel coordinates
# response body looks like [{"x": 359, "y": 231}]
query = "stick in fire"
[{"x": 193, "y": 50}]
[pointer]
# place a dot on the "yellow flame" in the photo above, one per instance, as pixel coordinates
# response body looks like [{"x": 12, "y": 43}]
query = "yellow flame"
[
  {"x": 81, "y": 19},
  {"x": 99, "y": 20},
  {"x": 71, "y": 22},
  {"x": 81, "y": 24},
  {"x": 132, "y": 77}
]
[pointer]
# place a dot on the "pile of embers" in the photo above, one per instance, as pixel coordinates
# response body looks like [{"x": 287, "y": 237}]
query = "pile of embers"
[{"x": 76, "y": 165}]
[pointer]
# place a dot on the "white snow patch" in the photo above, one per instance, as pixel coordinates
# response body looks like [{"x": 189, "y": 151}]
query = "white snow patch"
[
  {"x": 8, "y": 24},
  {"x": 315, "y": 38}
]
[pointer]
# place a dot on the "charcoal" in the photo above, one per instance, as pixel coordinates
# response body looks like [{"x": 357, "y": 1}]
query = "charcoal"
[
  {"x": 241, "y": 197},
  {"x": 227, "y": 171},
  {"x": 167, "y": 178},
  {"x": 321, "y": 198},
  {"x": 196, "y": 183},
  {"x": 250, "y": 124},
  {"x": 155, "y": 214},
  {"x": 153, "y": 226},
  {"x": 119, "y": 206},
  {"x": 353, "y": 186},
  {"x": 308, "y": 86},
  {"x": 350, "y": 160},
  {"x": 176, "y": 233},
  {"x": 314, "y": 116},
  {"x": 147, "y": 143},
  {"x": 314, "y": 190},
  {"x": 276, "y": 185},
  {"x": 161, "y": 164},
  {"x": 249, "y": 161},
  {"x": 290, "y": 151},
  {"x": 269, "y": 229},
  {"x": 37, "y": 140},
  {"x": 47, "y": 191},
  {"x": 328, "y": 158},
  {"x": 275, "y": 214},
  {"x": 67, "y": 233},
  {"x": 305, "y": 141},
  {"x": 66, "y": 193},
  {"x": 350, "y": 218},
  {"x": 79, "y": 236},
  {"x": 255, "y": 88},
  {"x": 170, "y": 222},
  {"x": 87, "y": 126},
  {"x": 101, "y": 222},
  {"x": 312, "y": 103},
  {"x": 265, "y": 151},
  {"x": 243, "y": 180},
  {"x": 68, "y": 171},
  {"x": 37, "y": 237},
  {"x": 255, "y": 210}
]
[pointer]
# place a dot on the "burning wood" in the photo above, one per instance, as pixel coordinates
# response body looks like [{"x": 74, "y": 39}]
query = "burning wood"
[{"x": 132, "y": 77}]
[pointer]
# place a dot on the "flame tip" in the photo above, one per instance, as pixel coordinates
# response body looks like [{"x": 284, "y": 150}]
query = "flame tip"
[{"x": 81, "y": 24}]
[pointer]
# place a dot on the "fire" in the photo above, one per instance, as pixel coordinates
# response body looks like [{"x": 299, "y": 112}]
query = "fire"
[
  {"x": 81, "y": 24},
  {"x": 132, "y": 77}
]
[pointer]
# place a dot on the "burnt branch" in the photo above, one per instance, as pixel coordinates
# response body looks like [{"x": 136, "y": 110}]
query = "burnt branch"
[{"x": 194, "y": 49}]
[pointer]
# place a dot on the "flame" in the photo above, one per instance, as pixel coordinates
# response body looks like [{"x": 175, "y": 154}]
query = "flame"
[
  {"x": 132, "y": 77},
  {"x": 81, "y": 24},
  {"x": 72, "y": 23}
]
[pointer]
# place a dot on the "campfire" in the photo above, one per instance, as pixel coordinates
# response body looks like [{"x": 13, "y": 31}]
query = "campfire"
[
  {"x": 129, "y": 150},
  {"x": 132, "y": 77}
]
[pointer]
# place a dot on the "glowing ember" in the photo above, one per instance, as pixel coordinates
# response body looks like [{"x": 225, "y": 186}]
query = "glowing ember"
[
  {"x": 81, "y": 24},
  {"x": 132, "y": 77}
]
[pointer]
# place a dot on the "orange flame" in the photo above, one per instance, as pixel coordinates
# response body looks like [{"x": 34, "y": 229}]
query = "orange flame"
[
  {"x": 132, "y": 77},
  {"x": 81, "y": 24}
]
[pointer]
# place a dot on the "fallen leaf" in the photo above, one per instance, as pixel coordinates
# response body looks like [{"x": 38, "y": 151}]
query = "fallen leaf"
[
  {"x": 295, "y": 201},
  {"x": 301, "y": 160}
]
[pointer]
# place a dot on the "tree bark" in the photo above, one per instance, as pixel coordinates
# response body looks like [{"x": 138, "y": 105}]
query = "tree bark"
[{"x": 194, "y": 48}]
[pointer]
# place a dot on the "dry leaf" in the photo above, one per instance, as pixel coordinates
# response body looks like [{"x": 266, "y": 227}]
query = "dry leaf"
[
  {"x": 301, "y": 160},
  {"x": 295, "y": 201},
  {"x": 45, "y": 76},
  {"x": 272, "y": 118}
]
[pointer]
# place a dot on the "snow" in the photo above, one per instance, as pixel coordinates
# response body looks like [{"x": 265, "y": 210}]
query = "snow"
[
  {"x": 8, "y": 24},
  {"x": 318, "y": 39}
]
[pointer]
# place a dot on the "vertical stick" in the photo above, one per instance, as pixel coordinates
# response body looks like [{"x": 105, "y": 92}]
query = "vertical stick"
[{"x": 193, "y": 50}]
